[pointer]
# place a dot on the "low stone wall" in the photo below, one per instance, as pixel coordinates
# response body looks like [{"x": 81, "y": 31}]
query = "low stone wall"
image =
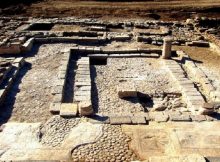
[
  {"x": 58, "y": 89},
  {"x": 11, "y": 76}
]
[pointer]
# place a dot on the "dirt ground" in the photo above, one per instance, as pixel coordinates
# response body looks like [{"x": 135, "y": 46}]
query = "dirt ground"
[{"x": 161, "y": 9}]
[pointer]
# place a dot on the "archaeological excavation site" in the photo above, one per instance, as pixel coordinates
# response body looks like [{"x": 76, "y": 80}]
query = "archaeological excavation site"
[{"x": 79, "y": 87}]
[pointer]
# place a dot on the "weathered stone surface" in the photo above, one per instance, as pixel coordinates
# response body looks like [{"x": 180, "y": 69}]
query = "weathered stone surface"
[
  {"x": 181, "y": 158},
  {"x": 68, "y": 109},
  {"x": 182, "y": 117},
  {"x": 138, "y": 120},
  {"x": 198, "y": 118},
  {"x": 85, "y": 108},
  {"x": 160, "y": 117},
  {"x": 126, "y": 90},
  {"x": 204, "y": 111},
  {"x": 208, "y": 105},
  {"x": 120, "y": 120},
  {"x": 55, "y": 107},
  {"x": 57, "y": 98},
  {"x": 57, "y": 90}
]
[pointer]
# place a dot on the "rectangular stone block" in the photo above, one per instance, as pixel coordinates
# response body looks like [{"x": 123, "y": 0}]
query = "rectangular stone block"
[
  {"x": 195, "y": 98},
  {"x": 57, "y": 90},
  {"x": 85, "y": 72},
  {"x": 126, "y": 90},
  {"x": 84, "y": 68},
  {"x": 120, "y": 120},
  {"x": 198, "y": 118},
  {"x": 55, "y": 107},
  {"x": 57, "y": 98},
  {"x": 82, "y": 84},
  {"x": 82, "y": 63},
  {"x": 82, "y": 98},
  {"x": 138, "y": 119},
  {"x": 69, "y": 110},
  {"x": 180, "y": 118},
  {"x": 160, "y": 117},
  {"x": 20, "y": 61},
  {"x": 83, "y": 88},
  {"x": 82, "y": 93},
  {"x": 85, "y": 108},
  {"x": 87, "y": 79}
]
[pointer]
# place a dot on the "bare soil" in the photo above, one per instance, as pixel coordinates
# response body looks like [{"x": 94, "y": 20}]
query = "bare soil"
[{"x": 161, "y": 9}]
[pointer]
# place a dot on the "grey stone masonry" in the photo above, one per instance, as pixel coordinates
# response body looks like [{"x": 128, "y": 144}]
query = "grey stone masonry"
[
  {"x": 11, "y": 71},
  {"x": 82, "y": 87},
  {"x": 199, "y": 76},
  {"x": 190, "y": 94},
  {"x": 59, "y": 85}
]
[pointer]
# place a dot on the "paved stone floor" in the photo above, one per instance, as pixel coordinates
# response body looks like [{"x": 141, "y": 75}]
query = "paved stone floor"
[
  {"x": 95, "y": 142},
  {"x": 175, "y": 139}
]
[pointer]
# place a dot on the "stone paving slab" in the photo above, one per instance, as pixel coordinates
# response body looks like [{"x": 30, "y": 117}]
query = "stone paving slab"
[
  {"x": 68, "y": 109},
  {"x": 138, "y": 120},
  {"x": 120, "y": 120},
  {"x": 20, "y": 142},
  {"x": 175, "y": 139}
]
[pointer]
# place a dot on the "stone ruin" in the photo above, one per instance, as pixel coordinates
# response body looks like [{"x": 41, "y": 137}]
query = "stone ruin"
[{"x": 105, "y": 73}]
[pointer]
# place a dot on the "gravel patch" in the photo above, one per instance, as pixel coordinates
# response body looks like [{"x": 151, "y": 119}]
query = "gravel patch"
[{"x": 148, "y": 75}]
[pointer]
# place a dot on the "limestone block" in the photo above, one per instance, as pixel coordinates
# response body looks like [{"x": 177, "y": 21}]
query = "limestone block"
[
  {"x": 82, "y": 93},
  {"x": 27, "y": 46},
  {"x": 120, "y": 120},
  {"x": 57, "y": 98},
  {"x": 68, "y": 109},
  {"x": 204, "y": 111},
  {"x": 20, "y": 61},
  {"x": 86, "y": 79},
  {"x": 14, "y": 48},
  {"x": 97, "y": 50},
  {"x": 181, "y": 158},
  {"x": 179, "y": 118},
  {"x": 215, "y": 95},
  {"x": 85, "y": 108},
  {"x": 82, "y": 98},
  {"x": 200, "y": 43},
  {"x": 57, "y": 90},
  {"x": 126, "y": 90},
  {"x": 138, "y": 120},
  {"x": 198, "y": 118},
  {"x": 160, "y": 117},
  {"x": 208, "y": 105},
  {"x": 2, "y": 95},
  {"x": 82, "y": 84},
  {"x": 81, "y": 71},
  {"x": 89, "y": 49},
  {"x": 83, "y": 88},
  {"x": 55, "y": 107}
]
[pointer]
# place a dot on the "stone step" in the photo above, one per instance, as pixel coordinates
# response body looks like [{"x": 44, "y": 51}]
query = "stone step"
[{"x": 68, "y": 109}]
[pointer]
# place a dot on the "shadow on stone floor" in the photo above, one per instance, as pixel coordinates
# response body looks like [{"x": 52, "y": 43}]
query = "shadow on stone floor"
[{"x": 7, "y": 107}]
